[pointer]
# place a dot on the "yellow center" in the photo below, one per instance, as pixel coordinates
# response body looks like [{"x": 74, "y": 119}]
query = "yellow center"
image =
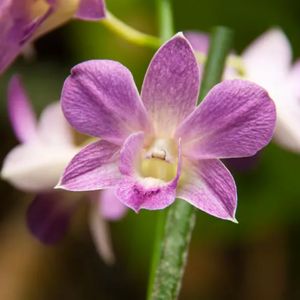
[{"x": 159, "y": 160}]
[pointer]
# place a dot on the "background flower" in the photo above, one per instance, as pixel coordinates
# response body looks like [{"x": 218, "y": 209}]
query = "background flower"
[
  {"x": 268, "y": 62},
  {"x": 36, "y": 165},
  {"x": 23, "y": 21}
]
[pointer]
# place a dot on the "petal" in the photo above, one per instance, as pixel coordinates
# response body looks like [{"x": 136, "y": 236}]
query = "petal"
[
  {"x": 100, "y": 98},
  {"x": 294, "y": 78},
  {"x": 20, "y": 111},
  {"x": 48, "y": 216},
  {"x": 93, "y": 168},
  {"x": 209, "y": 186},
  {"x": 171, "y": 85},
  {"x": 100, "y": 233},
  {"x": 287, "y": 132},
  {"x": 137, "y": 192},
  {"x": 36, "y": 167},
  {"x": 110, "y": 207},
  {"x": 236, "y": 119},
  {"x": 198, "y": 40},
  {"x": 53, "y": 128},
  {"x": 267, "y": 60},
  {"x": 18, "y": 25},
  {"x": 91, "y": 10}
]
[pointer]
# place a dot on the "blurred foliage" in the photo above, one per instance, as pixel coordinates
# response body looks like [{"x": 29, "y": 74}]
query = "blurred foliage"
[{"x": 269, "y": 194}]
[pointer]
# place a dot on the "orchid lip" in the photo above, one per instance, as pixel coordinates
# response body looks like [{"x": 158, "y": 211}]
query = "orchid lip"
[{"x": 159, "y": 160}]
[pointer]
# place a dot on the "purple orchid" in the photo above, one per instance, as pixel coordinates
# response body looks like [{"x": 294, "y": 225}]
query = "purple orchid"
[
  {"x": 24, "y": 21},
  {"x": 268, "y": 62},
  {"x": 37, "y": 164},
  {"x": 160, "y": 146}
]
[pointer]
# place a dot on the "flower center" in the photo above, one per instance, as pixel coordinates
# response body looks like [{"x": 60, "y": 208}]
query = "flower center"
[{"x": 159, "y": 160}]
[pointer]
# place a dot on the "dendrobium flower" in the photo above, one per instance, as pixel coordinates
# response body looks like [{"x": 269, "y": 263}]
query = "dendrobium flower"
[
  {"x": 23, "y": 21},
  {"x": 160, "y": 145},
  {"x": 268, "y": 62},
  {"x": 37, "y": 164}
]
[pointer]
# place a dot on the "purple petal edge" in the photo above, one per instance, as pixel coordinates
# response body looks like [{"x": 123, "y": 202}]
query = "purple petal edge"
[
  {"x": 236, "y": 119},
  {"x": 22, "y": 117},
  {"x": 210, "y": 187},
  {"x": 93, "y": 168},
  {"x": 171, "y": 85},
  {"x": 91, "y": 10}
]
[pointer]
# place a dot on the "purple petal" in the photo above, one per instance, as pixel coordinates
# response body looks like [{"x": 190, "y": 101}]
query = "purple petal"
[
  {"x": 209, "y": 186},
  {"x": 137, "y": 192},
  {"x": 91, "y": 9},
  {"x": 171, "y": 85},
  {"x": 110, "y": 207},
  {"x": 236, "y": 119},
  {"x": 20, "y": 111},
  {"x": 34, "y": 25},
  {"x": 268, "y": 59},
  {"x": 101, "y": 99},
  {"x": 93, "y": 168},
  {"x": 48, "y": 216},
  {"x": 18, "y": 25},
  {"x": 198, "y": 40}
]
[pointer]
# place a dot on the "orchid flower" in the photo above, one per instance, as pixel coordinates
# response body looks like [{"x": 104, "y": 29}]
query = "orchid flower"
[
  {"x": 23, "y": 21},
  {"x": 160, "y": 145},
  {"x": 268, "y": 62},
  {"x": 38, "y": 162}
]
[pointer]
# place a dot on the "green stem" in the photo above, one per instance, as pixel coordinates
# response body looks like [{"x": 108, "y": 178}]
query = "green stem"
[
  {"x": 181, "y": 215},
  {"x": 165, "y": 19},
  {"x": 128, "y": 33},
  {"x": 220, "y": 46},
  {"x": 159, "y": 231}
]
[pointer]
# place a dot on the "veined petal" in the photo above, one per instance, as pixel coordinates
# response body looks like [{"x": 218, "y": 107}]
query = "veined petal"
[
  {"x": 268, "y": 59},
  {"x": 171, "y": 85},
  {"x": 20, "y": 111},
  {"x": 48, "y": 216},
  {"x": 91, "y": 9},
  {"x": 100, "y": 98},
  {"x": 236, "y": 119},
  {"x": 110, "y": 207},
  {"x": 35, "y": 166},
  {"x": 209, "y": 186},
  {"x": 137, "y": 192},
  {"x": 93, "y": 168},
  {"x": 53, "y": 128}
]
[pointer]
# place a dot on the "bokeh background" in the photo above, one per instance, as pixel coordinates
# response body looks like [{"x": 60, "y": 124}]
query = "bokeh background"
[{"x": 257, "y": 259}]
